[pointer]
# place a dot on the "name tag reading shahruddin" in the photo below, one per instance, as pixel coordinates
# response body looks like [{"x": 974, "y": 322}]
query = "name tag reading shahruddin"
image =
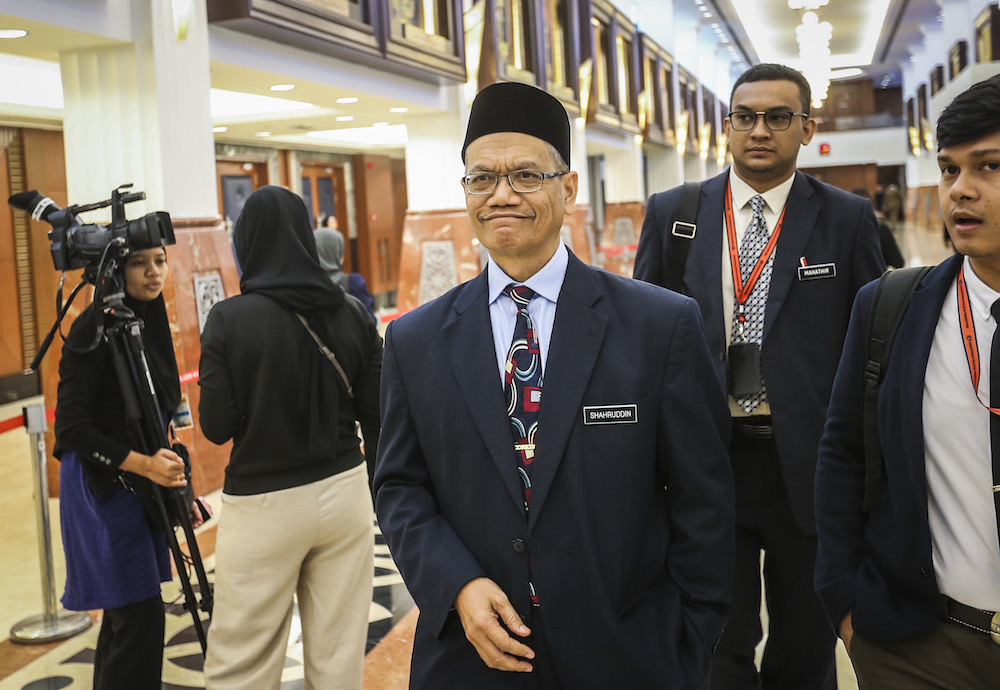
[{"x": 611, "y": 414}]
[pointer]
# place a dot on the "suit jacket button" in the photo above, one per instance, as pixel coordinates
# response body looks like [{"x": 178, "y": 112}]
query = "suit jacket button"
[
  {"x": 518, "y": 546},
  {"x": 722, "y": 356}
]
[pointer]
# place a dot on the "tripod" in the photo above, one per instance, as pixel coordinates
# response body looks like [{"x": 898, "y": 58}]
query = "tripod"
[{"x": 124, "y": 334}]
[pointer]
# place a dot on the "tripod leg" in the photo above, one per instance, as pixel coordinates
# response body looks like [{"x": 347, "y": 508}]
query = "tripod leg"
[
  {"x": 195, "y": 552},
  {"x": 190, "y": 601}
]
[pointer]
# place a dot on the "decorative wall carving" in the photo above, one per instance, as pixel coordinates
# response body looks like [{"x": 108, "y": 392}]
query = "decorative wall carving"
[
  {"x": 437, "y": 269},
  {"x": 208, "y": 291}
]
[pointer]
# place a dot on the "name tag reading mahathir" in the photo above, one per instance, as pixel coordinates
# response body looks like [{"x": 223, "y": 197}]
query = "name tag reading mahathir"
[{"x": 611, "y": 414}]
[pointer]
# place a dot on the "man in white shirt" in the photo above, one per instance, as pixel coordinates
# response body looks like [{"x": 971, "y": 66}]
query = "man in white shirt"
[
  {"x": 774, "y": 264},
  {"x": 914, "y": 584}
]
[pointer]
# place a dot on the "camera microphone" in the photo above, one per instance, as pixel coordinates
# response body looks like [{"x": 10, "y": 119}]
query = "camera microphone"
[{"x": 40, "y": 207}]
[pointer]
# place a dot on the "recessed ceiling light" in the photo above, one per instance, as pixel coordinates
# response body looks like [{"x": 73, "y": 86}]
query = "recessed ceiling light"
[
  {"x": 13, "y": 33},
  {"x": 347, "y": 99},
  {"x": 344, "y": 118},
  {"x": 282, "y": 87},
  {"x": 262, "y": 134},
  {"x": 380, "y": 124},
  {"x": 220, "y": 129},
  {"x": 399, "y": 110}
]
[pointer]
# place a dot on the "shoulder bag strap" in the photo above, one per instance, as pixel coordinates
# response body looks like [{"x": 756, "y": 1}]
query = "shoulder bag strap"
[
  {"x": 892, "y": 296},
  {"x": 329, "y": 355},
  {"x": 682, "y": 233}
]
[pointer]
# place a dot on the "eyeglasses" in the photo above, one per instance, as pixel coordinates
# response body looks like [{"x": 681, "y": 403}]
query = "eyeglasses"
[
  {"x": 776, "y": 120},
  {"x": 521, "y": 181}
]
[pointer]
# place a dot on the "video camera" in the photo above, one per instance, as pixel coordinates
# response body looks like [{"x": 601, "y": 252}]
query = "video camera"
[{"x": 75, "y": 245}]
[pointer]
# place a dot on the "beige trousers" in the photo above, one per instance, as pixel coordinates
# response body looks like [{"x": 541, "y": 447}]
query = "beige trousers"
[{"x": 315, "y": 541}]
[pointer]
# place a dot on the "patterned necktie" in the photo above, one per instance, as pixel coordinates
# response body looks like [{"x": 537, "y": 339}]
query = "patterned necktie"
[
  {"x": 754, "y": 241},
  {"x": 523, "y": 386}
]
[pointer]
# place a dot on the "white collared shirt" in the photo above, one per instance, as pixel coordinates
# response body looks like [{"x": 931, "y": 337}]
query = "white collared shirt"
[
  {"x": 774, "y": 203},
  {"x": 542, "y": 309},
  {"x": 958, "y": 459}
]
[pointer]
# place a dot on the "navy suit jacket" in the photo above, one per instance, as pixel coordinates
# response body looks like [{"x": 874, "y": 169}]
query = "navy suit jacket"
[
  {"x": 630, "y": 533},
  {"x": 805, "y": 320},
  {"x": 880, "y": 565}
]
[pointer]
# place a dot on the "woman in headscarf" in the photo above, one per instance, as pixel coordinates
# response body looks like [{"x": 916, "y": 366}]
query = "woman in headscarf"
[
  {"x": 297, "y": 515},
  {"x": 115, "y": 559}
]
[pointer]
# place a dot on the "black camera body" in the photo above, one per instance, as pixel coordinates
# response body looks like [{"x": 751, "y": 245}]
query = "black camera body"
[{"x": 78, "y": 245}]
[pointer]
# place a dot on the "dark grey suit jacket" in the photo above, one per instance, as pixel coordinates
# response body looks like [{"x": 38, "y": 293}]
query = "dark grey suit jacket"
[{"x": 880, "y": 564}]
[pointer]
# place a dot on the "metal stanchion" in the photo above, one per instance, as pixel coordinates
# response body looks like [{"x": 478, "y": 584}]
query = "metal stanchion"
[{"x": 53, "y": 624}]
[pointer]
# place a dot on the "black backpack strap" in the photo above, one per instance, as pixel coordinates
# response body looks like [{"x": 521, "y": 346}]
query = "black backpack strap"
[
  {"x": 682, "y": 232},
  {"x": 892, "y": 296}
]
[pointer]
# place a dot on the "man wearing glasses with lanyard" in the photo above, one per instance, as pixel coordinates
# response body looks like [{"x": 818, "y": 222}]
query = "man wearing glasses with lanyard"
[
  {"x": 774, "y": 260},
  {"x": 912, "y": 580}
]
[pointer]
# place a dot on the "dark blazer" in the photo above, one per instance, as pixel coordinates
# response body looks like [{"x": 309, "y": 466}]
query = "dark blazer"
[
  {"x": 805, "y": 320},
  {"x": 631, "y": 527},
  {"x": 881, "y": 566}
]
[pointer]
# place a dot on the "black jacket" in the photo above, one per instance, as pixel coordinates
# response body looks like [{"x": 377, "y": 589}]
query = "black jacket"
[{"x": 252, "y": 352}]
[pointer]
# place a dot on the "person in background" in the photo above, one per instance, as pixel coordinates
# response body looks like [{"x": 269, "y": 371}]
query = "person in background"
[
  {"x": 298, "y": 510},
  {"x": 887, "y": 242},
  {"x": 892, "y": 207},
  {"x": 774, "y": 265},
  {"x": 913, "y": 585},
  {"x": 571, "y": 533},
  {"x": 330, "y": 249},
  {"x": 330, "y": 246},
  {"x": 115, "y": 558}
]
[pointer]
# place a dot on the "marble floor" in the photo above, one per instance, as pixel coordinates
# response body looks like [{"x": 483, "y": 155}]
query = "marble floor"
[{"x": 68, "y": 664}]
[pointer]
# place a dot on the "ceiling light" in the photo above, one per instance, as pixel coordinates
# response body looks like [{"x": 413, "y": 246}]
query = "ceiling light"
[
  {"x": 262, "y": 134},
  {"x": 399, "y": 110},
  {"x": 13, "y": 33},
  {"x": 218, "y": 130},
  {"x": 282, "y": 87},
  {"x": 347, "y": 100},
  {"x": 344, "y": 118}
]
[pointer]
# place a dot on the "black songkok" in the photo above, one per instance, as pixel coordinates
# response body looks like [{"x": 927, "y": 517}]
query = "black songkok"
[{"x": 514, "y": 107}]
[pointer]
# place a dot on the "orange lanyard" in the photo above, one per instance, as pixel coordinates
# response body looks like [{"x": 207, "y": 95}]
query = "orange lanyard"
[
  {"x": 743, "y": 291},
  {"x": 969, "y": 336}
]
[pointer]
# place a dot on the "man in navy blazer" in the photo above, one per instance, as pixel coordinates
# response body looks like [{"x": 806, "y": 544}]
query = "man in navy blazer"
[
  {"x": 826, "y": 248},
  {"x": 609, "y": 564},
  {"x": 913, "y": 585}
]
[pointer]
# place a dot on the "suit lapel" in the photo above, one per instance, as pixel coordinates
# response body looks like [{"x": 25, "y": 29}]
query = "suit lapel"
[
  {"x": 704, "y": 283},
  {"x": 468, "y": 338},
  {"x": 917, "y": 336},
  {"x": 577, "y": 334},
  {"x": 801, "y": 212}
]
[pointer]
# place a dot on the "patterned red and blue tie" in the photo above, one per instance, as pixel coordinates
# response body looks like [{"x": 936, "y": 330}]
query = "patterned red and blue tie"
[{"x": 523, "y": 386}]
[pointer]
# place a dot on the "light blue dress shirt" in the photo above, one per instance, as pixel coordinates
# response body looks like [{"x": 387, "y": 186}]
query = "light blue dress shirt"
[{"x": 542, "y": 309}]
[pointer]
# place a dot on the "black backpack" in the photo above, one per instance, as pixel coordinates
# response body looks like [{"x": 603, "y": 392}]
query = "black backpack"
[{"x": 892, "y": 296}]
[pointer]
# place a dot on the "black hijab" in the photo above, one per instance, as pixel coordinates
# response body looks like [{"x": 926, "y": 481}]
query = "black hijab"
[
  {"x": 277, "y": 250},
  {"x": 157, "y": 343}
]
